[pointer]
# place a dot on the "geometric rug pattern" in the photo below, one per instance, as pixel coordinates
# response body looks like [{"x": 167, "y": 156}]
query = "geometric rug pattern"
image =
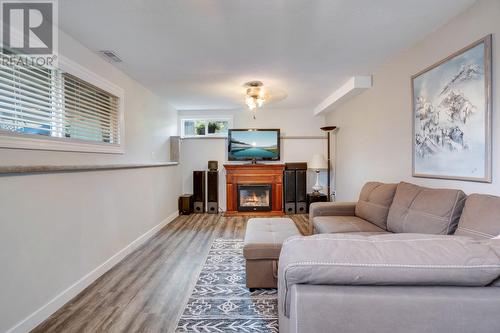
[{"x": 220, "y": 301}]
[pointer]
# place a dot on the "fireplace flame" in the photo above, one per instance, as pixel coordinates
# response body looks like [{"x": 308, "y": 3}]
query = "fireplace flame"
[{"x": 254, "y": 199}]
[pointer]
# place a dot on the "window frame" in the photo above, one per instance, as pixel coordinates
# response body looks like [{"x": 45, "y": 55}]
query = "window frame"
[
  {"x": 53, "y": 143},
  {"x": 206, "y": 119}
]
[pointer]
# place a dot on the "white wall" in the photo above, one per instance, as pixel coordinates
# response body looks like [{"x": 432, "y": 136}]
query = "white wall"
[
  {"x": 195, "y": 153},
  {"x": 374, "y": 137},
  {"x": 57, "y": 228}
]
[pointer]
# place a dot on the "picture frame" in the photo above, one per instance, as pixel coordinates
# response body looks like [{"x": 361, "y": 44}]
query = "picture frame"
[{"x": 452, "y": 116}]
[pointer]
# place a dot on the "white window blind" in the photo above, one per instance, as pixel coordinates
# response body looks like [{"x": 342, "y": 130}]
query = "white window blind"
[
  {"x": 29, "y": 100},
  {"x": 45, "y": 102},
  {"x": 91, "y": 113}
]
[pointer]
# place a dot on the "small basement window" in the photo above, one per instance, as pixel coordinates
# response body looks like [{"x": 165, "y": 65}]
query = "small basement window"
[{"x": 205, "y": 127}]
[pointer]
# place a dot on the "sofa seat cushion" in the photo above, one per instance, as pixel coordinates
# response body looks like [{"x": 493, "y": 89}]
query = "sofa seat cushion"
[
  {"x": 390, "y": 259},
  {"x": 480, "y": 217},
  {"x": 329, "y": 209},
  {"x": 342, "y": 224},
  {"x": 417, "y": 209},
  {"x": 374, "y": 201}
]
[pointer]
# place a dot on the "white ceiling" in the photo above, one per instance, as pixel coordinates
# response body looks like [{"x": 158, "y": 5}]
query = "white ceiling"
[{"x": 198, "y": 53}]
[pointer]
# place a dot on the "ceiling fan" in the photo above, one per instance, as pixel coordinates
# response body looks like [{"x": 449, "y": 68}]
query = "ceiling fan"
[{"x": 256, "y": 94}]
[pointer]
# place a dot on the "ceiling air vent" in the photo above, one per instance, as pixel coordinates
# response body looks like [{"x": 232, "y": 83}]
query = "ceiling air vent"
[{"x": 111, "y": 56}]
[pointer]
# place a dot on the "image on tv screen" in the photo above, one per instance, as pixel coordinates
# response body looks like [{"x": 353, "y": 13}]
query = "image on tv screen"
[{"x": 254, "y": 145}]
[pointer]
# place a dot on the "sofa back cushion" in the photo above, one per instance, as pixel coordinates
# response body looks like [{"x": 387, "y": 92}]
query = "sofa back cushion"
[
  {"x": 480, "y": 217},
  {"x": 424, "y": 210},
  {"x": 374, "y": 202}
]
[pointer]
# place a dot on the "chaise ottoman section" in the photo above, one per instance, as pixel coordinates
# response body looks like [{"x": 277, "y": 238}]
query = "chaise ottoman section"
[{"x": 262, "y": 247}]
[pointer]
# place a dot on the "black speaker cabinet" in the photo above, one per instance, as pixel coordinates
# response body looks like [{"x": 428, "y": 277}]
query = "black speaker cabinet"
[
  {"x": 199, "y": 191},
  {"x": 213, "y": 192},
  {"x": 289, "y": 189},
  {"x": 185, "y": 204},
  {"x": 300, "y": 191},
  {"x": 296, "y": 166},
  {"x": 295, "y": 188}
]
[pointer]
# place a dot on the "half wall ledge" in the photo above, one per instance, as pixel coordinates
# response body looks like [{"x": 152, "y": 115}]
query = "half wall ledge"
[{"x": 31, "y": 169}]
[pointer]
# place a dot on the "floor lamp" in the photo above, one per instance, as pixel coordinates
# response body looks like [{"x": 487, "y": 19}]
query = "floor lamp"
[{"x": 328, "y": 130}]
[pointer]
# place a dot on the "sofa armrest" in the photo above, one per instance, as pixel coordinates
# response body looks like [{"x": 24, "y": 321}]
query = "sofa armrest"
[
  {"x": 330, "y": 209},
  {"x": 393, "y": 259}
]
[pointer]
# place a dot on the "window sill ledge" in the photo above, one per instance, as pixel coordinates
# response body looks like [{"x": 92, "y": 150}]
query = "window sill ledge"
[
  {"x": 33, "y": 169},
  {"x": 200, "y": 137}
]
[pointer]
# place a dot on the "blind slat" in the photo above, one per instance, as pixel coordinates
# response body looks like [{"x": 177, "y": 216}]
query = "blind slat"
[
  {"x": 33, "y": 97},
  {"x": 8, "y": 126},
  {"x": 68, "y": 89},
  {"x": 41, "y": 76},
  {"x": 71, "y": 78},
  {"x": 39, "y": 103},
  {"x": 30, "y": 79},
  {"x": 71, "y": 99},
  {"x": 17, "y": 102},
  {"x": 23, "y": 85},
  {"x": 25, "y": 121},
  {"x": 94, "y": 95},
  {"x": 5, "y": 126},
  {"x": 57, "y": 123}
]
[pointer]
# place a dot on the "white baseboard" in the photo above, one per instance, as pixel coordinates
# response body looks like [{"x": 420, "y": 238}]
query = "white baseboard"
[{"x": 37, "y": 317}]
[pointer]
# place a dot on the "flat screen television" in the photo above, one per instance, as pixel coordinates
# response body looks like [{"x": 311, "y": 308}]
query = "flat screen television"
[{"x": 254, "y": 145}]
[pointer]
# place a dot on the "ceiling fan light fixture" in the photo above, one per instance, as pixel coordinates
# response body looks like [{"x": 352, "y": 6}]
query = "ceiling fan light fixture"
[
  {"x": 251, "y": 102},
  {"x": 255, "y": 95},
  {"x": 260, "y": 102}
]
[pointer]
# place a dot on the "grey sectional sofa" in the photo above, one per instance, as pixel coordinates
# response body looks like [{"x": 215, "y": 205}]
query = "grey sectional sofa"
[{"x": 404, "y": 258}]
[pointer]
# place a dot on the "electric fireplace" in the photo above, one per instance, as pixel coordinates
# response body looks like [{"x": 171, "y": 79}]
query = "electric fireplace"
[
  {"x": 265, "y": 182},
  {"x": 254, "y": 198}
]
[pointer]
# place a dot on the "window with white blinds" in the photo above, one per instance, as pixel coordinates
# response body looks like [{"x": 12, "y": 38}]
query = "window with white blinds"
[
  {"x": 91, "y": 113},
  {"x": 29, "y": 100},
  {"x": 40, "y": 102}
]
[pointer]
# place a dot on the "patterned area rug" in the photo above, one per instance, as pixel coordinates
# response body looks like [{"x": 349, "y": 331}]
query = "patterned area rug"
[{"x": 220, "y": 302}]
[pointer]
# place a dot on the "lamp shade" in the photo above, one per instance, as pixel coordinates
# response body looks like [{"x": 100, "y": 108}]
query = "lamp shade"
[{"x": 318, "y": 162}]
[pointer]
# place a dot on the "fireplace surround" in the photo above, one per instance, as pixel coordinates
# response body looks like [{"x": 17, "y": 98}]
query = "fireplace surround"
[{"x": 261, "y": 186}]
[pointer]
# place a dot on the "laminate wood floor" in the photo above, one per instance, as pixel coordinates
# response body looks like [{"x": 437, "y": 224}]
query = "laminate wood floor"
[{"x": 147, "y": 291}]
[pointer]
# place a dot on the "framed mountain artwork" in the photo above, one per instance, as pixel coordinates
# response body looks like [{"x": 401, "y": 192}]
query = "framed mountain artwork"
[{"x": 452, "y": 116}]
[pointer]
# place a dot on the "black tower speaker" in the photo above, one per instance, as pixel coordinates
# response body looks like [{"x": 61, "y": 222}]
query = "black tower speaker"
[
  {"x": 289, "y": 189},
  {"x": 295, "y": 188},
  {"x": 213, "y": 192},
  {"x": 199, "y": 191},
  {"x": 300, "y": 191}
]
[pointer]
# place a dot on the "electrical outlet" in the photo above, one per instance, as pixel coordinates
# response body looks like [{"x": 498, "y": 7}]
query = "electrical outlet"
[{"x": 153, "y": 155}]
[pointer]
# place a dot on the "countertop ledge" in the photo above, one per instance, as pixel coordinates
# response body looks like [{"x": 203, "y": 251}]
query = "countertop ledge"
[{"x": 20, "y": 169}]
